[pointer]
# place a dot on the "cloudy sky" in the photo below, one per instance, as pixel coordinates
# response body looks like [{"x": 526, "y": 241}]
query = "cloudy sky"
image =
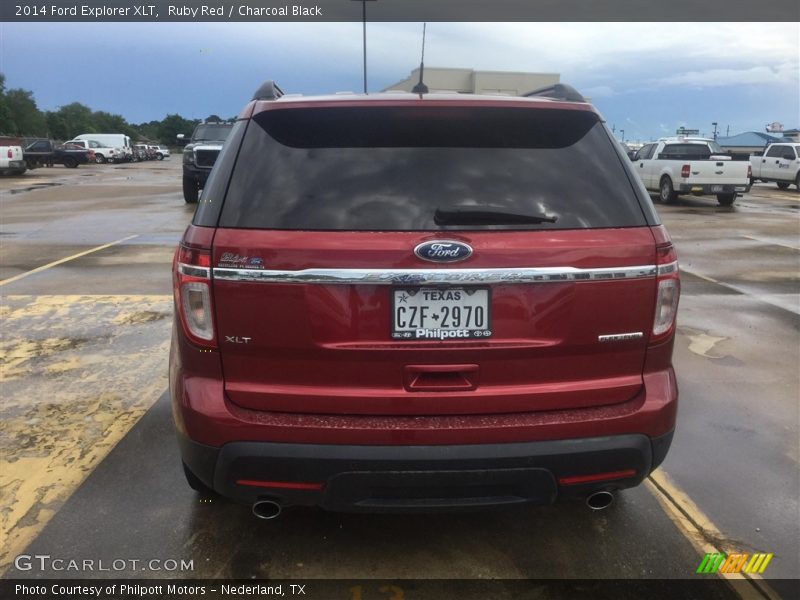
[{"x": 647, "y": 79}]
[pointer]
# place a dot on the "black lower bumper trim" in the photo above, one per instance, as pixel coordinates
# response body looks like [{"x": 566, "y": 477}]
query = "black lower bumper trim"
[{"x": 411, "y": 478}]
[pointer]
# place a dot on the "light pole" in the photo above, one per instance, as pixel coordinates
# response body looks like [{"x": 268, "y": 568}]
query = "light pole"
[
  {"x": 364, "y": 20},
  {"x": 715, "y": 130},
  {"x": 622, "y": 133}
]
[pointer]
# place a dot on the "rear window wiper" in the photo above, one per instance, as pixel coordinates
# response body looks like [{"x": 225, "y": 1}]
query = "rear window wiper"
[{"x": 487, "y": 215}]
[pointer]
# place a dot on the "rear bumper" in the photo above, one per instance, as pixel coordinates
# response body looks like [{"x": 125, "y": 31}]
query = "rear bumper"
[
  {"x": 423, "y": 478},
  {"x": 710, "y": 189},
  {"x": 406, "y": 463},
  {"x": 16, "y": 165}
]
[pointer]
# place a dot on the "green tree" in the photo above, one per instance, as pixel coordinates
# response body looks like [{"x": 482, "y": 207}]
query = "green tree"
[
  {"x": 56, "y": 126},
  {"x": 27, "y": 119},
  {"x": 148, "y": 131},
  {"x": 71, "y": 120},
  {"x": 6, "y": 123},
  {"x": 103, "y": 122},
  {"x": 172, "y": 125}
]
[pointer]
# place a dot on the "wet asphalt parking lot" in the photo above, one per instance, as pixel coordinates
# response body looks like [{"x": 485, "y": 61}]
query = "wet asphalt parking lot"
[{"x": 89, "y": 466}]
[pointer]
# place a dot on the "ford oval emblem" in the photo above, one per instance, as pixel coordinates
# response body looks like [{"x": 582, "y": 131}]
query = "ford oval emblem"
[{"x": 443, "y": 251}]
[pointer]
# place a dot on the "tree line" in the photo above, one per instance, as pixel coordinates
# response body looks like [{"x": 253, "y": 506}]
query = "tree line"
[{"x": 20, "y": 117}]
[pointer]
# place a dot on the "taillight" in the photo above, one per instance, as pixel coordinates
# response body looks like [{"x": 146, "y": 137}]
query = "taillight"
[
  {"x": 192, "y": 286},
  {"x": 10, "y": 154},
  {"x": 749, "y": 172},
  {"x": 685, "y": 169},
  {"x": 669, "y": 288}
]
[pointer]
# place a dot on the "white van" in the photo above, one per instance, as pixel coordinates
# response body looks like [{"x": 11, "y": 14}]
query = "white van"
[{"x": 112, "y": 140}]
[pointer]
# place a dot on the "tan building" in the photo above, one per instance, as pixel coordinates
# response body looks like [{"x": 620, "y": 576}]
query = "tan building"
[{"x": 470, "y": 81}]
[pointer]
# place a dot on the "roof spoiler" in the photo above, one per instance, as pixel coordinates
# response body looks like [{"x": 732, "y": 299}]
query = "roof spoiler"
[
  {"x": 559, "y": 91},
  {"x": 268, "y": 90}
]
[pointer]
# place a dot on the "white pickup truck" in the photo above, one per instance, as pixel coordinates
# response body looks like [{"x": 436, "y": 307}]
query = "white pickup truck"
[
  {"x": 779, "y": 163},
  {"x": 11, "y": 159},
  {"x": 695, "y": 166}
]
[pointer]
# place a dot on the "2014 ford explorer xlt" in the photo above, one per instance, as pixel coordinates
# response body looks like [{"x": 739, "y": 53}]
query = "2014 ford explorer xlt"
[{"x": 405, "y": 302}]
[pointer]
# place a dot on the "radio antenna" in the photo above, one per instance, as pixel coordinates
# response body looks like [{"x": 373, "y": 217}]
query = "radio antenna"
[{"x": 421, "y": 88}]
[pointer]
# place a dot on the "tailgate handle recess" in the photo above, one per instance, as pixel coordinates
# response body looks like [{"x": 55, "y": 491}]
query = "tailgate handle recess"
[{"x": 440, "y": 378}]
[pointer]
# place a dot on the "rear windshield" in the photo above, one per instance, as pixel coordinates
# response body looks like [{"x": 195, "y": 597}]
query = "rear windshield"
[
  {"x": 211, "y": 133},
  {"x": 686, "y": 152},
  {"x": 390, "y": 169}
]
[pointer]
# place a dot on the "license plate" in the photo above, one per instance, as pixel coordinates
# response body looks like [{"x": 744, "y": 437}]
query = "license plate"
[
  {"x": 716, "y": 188},
  {"x": 441, "y": 313}
]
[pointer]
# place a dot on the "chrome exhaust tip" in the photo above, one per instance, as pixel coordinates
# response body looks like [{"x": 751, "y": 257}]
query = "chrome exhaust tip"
[
  {"x": 599, "y": 500},
  {"x": 267, "y": 509}
]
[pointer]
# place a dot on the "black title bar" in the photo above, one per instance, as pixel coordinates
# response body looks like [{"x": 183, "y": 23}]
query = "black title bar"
[
  {"x": 676, "y": 11},
  {"x": 707, "y": 588}
]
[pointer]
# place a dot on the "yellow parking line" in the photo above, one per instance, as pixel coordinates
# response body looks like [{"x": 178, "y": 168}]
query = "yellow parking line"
[
  {"x": 68, "y": 398},
  {"x": 755, "y": 239},
  {"x": 711, "y": 279},
  {"x": 695, "y": 525},
  {"x": 63, "y": 260}
]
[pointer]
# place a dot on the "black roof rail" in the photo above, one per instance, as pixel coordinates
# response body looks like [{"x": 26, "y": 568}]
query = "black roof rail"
[
  {"x": 268, "y": 90},
  {"x": 559, "y": 91}
]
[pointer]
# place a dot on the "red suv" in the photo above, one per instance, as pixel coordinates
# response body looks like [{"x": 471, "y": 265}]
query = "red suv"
[{"x": 402, "y": 302}]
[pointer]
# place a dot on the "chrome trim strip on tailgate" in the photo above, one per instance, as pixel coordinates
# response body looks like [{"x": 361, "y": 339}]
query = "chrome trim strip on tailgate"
[{"x": 435, "y": 276}]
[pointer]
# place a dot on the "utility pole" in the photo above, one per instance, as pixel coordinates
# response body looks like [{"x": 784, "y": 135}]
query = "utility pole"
[
  {"x": 364, "y": 21},
  {"x": 622, "y": 133}
]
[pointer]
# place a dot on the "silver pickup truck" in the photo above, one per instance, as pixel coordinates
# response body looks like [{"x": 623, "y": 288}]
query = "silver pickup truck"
[{"x": 697, "y": 166}]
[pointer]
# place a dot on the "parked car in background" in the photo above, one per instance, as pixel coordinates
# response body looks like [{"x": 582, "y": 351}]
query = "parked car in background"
[
  {"x": 162, "y": 151},
  {"x": 43, "y": 153},
  {"x": 199, "y": 156},
  {"x": 112, "y": 140},
  {"x": 779, "y": 163},
  {"x": 90, "y": 155},
  {"x": 102, "y": 153},
  {"x": 140, "y": 152},
  {"x": 685, "y": 165},
  {"x": 416, "y": 302},
  {"x": 12, "y": 160}
]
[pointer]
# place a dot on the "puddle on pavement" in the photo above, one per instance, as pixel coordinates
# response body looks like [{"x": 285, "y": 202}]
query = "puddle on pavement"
[{"x": 35, "y": 186}]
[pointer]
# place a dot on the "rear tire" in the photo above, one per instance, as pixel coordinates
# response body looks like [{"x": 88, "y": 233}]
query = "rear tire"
[
  {"x": 160, "y": 156},
  {"x": 100, "y": 159},
  {"x": 782, "y": 185},
  {"x": 666, "y": 192},
  {"x": 194, "y": 481},
  {"x": 191, "y": 191},
  {"x": 726, "y": 199},
  {"x": 70, "y": 162}
]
